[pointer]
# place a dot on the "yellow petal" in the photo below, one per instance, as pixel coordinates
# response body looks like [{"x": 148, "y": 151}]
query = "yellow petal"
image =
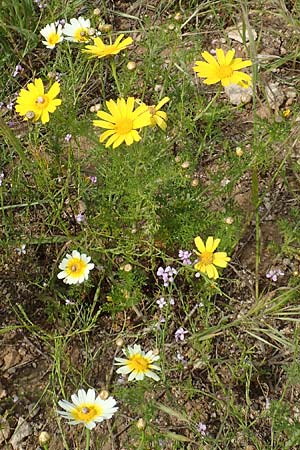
[
  {"x": 220, "y": 56},
  {"x": 199, "y": 244},
  {"x": 210, "y": 59}
]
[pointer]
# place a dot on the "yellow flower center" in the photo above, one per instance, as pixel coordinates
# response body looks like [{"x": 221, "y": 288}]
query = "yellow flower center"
[
  {"x": 152, "y": 110},
  {"x": 42, "y": 101},
  {"x": 81, "y": 35},
  {"x": 75, "y": 267},
  {"x": 206, "y": 258},
  {"x": 53, "y": 38},
  {"x": 225, "y": 71},
  {"x": 139, "y": 363},
  {"x": 87, "y": 412},
  {"x": 124, "y": 126}
]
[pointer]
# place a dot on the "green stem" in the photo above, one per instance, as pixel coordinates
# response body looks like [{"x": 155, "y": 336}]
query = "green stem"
[
  {"x": 114, "y": 72},
  {"x": 208, "y": 105},
  {"x": 88, "y": 436}
]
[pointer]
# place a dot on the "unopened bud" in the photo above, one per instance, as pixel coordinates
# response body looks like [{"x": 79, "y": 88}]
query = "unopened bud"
[
  {"x": 131, "y": 65},
  {"x": 51, "y": 75},
  {"x": 185, "y": 165},
  {"x": 44, "y": 438},
  {"x": 128, "y": 268},
  {"x": 177, "y": 158},
  {"x": 228, "y": 220},
  {"x": 119, "y": 342},
  {"x": 239, "y": 152},
  {"x": 96, "y": 12},
  {"x": 104, "y": 394},
  {"x": 97, "y": 107},
  {"x": 141, "y": 424},
  {"x": 91, "y": 31},
  {"x": 195, "y": 182},
  {"x": 171, "y": 26},
  {"x": 30, "y": 115},
  {"x": 106, "y": 27},
  {"x": 178, "y": 16},
  {"x": 92, "y": 109}
]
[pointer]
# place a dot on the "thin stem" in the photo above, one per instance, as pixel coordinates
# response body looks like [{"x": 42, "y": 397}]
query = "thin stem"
[
  {"x": 208, "y": 105},
  {"x": 114, "y": 72},
  {"x": 88, "y": 436}
]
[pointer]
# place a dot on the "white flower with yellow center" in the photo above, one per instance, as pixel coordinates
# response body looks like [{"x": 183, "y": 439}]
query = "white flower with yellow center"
[
  {"x": 87, "y": 408},
  {"x": 52, "y": 35},
  {"x": 75, "y": 268},
  {"x": 138, "y": 363},
  {"x": 77, "y": 30}
]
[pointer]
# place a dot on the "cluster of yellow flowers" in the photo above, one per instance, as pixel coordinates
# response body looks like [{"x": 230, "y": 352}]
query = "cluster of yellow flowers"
[{"x": 125, "y": 117}]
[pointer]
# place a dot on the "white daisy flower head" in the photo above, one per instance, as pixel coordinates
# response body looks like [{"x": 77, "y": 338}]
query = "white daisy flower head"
[
  {"x": 75, "y": 268},
  {"x": 77, "y": 30},
  {"x": 87, "y": 408},
  {"x": 52, "y": 35},
  {"x": 138, "y": 363}
]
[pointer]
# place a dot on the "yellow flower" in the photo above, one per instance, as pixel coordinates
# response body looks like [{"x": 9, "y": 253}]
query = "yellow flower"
[
  {"x": 101, "y": 50},
  {"x": 75, "y": 268},
  {"x": 159, "y": 117},
  {"x": 225, "y": 69},
  {"x": 123, "y": 122},
  {"x": 138, "y": 363},
  {"x": 87, "y": 408},
  {"x": 207, "y": 259},
  {"x": 34, "y": 103}
]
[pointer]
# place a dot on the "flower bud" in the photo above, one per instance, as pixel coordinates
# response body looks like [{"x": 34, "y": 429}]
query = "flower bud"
[
  {"x": 44, "y": 438},
  {"x": 141, "y": 424},
  {"x": 104, "y": 394},
  {"x": 96, "y": 12},
  {"x": 185, "y": 165},
  {"x": 239, "y": 152},
  {"x": 128, "y": 268},
  {"x": 195, "y": 182},
  {"x": 131, "y": 65},
  {"x": 119, "y": 342}
]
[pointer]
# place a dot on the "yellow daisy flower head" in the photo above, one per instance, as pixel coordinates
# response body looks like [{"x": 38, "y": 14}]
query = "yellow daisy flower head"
[
  {"x": 75, "y": 268},
  {"x": 138, "y": 363},
  {"x": 52, "y": 35},
  {"x": 224, "y": 68},
  {"x": 87, "y": 408},
  {"x": 77, "y": 30},
  {"x": 123, "y": 122},
  {"x": 35, "y": 104},
  {"x": 101, "y": 50},
  {"x": 159, "y": 117},
  {"x": 208, "y": 258}
]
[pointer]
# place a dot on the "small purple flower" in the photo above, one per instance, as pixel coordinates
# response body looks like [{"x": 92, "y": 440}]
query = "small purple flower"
[
  {"x": 1, "y": 178},
  {"x": 68, "y": 137},
  {"x": 18, "y": 70},
  {"x": 201, "y": 427},
  {"x": 93, "y": 179},
  {"x": 179, "y": 334},
  {"x": 184, "y": 255},
  {"x": 161, "y": 302},
  {"x": 80, "y": 218},
  {"x": 274, "y": 273},
  {"x": 166, "y": 274},
  {"x": 10, "y": 105}
]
